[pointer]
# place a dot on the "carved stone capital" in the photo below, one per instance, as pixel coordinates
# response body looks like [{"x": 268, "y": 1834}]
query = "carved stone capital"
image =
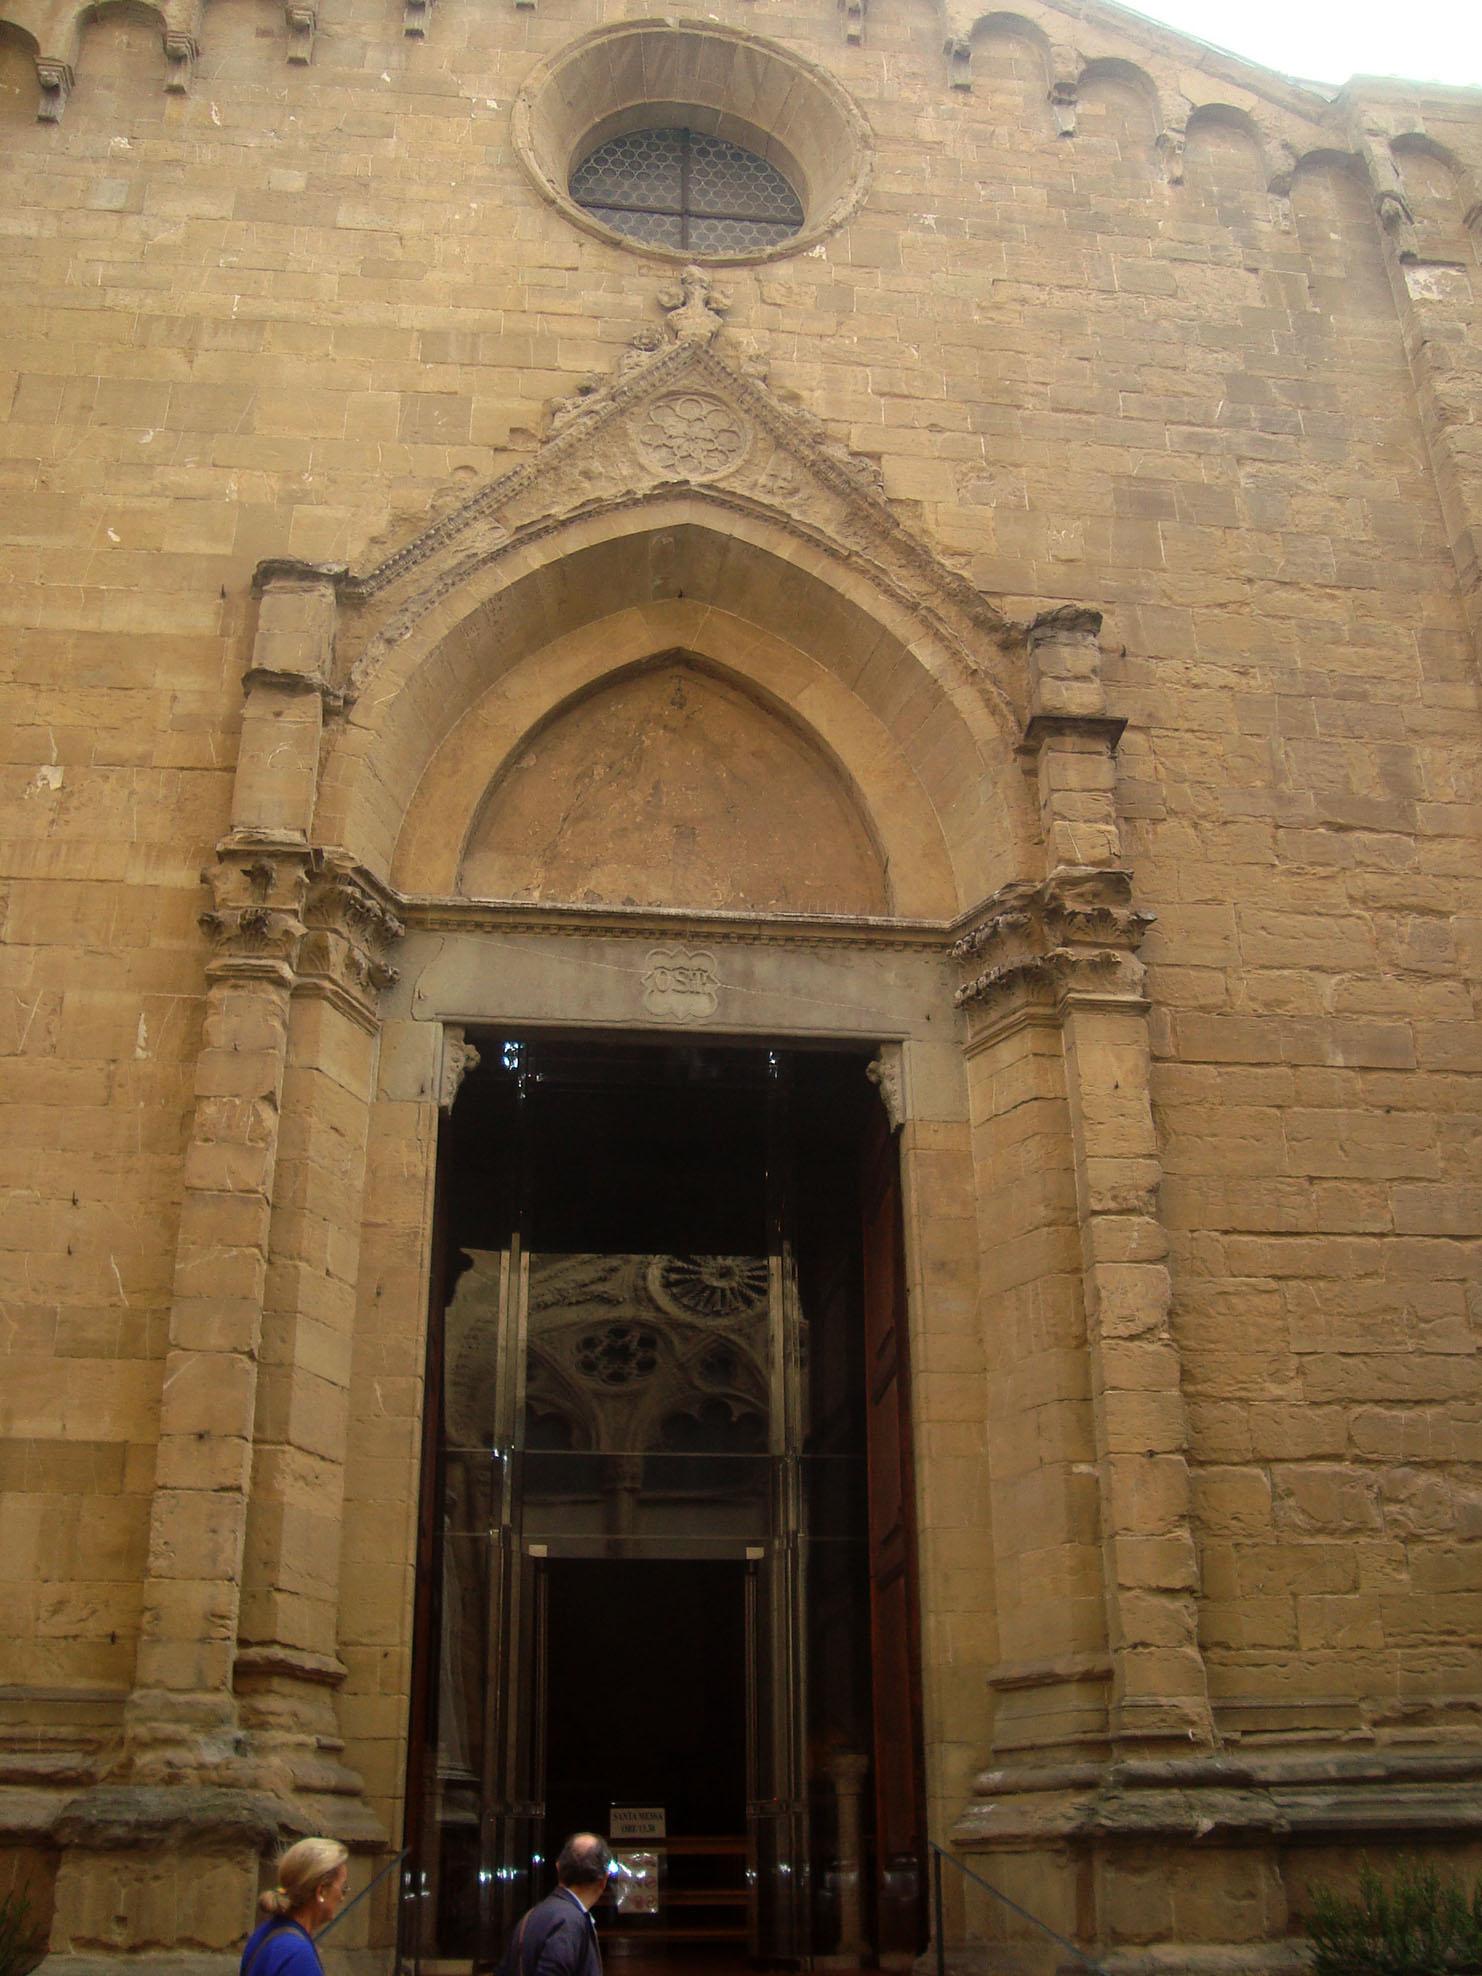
[
  {"x": 1076, "y": 931},
  {"x": 459, "y": 1058},
  {"x": 255, "y": 920},
  {"x": 887, "y": 1072},
  {"x": 55, "y": 78},
  {"x": 349, "y": 928}
]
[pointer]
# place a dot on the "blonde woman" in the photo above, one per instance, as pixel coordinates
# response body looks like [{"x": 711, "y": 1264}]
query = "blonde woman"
[{"x": 313, "y": 1878}]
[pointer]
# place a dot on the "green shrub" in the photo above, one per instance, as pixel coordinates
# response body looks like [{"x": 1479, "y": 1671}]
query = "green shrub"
[
  {"x": 1415, "y": 1925},
  {"x": 20, "y": 1940}
]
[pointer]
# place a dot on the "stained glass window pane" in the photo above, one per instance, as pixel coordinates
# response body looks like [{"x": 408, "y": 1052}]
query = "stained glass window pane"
[{"x": 680, "y": 188}]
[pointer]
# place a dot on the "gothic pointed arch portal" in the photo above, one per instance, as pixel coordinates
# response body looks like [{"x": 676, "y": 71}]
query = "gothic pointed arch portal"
[{"x": 897, "y": 847}]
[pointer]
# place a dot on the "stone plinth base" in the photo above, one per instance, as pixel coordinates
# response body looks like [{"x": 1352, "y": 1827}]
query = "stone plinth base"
[
  {"x": 161, "y": 1876},
  {"x": 164, "y": 1880},
  {"x": 1202, "y": 1865}
]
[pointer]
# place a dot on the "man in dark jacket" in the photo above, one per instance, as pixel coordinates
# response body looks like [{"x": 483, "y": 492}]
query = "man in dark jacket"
[{"x": 558, "y": 1937}]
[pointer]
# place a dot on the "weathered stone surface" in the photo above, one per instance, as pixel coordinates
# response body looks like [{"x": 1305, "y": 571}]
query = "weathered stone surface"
[{"x": 1079, "y": 544}]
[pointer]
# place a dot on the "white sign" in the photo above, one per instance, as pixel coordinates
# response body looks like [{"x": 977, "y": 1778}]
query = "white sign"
[{"x": 637, "y": 1821}]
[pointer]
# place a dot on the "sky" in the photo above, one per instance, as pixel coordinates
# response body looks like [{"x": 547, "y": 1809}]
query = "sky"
[{"x": 1331, "y": 40}]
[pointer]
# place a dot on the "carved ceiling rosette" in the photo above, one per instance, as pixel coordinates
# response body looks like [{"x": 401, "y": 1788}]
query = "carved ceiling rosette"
[{"x": 1075, "y": 933}]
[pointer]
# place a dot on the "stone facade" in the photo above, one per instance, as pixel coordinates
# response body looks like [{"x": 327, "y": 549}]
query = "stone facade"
[{"x": 1069, "y": 548}]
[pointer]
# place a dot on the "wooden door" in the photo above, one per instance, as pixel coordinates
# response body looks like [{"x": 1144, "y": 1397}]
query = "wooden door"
[{"x": 895, "y": 1633}]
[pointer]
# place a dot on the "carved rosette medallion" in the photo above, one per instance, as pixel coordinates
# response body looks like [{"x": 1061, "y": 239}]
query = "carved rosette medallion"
[{"x": 692, "y": 435}]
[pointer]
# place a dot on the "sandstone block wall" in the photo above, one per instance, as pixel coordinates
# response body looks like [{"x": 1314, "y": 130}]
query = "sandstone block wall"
[{"x": 1122, "y": 324}]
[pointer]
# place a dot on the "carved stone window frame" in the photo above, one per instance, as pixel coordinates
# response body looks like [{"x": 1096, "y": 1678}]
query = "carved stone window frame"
[{"x": 653, "y": 74}]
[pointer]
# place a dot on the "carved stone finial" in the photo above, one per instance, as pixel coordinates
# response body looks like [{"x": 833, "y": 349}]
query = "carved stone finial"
[
  {"x": 695, "y": 309},
  {"x": 459, "y": 1058},
  {"x": 959, "y": 54},
  {"x": 887, "y": 1072},
  {"x": 55, "y": 79}
]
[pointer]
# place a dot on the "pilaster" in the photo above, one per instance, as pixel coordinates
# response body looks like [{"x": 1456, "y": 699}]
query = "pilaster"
[
  {"x": 181, "y": 1717},
  {"x": 287, "y": 1667},
  {"x": 1061, "y": 954},
  {"x": 288, "y": 688}
]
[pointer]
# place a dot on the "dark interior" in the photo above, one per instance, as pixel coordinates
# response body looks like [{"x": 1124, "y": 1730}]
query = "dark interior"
[
  {"x": 646, "y": 1687},
  {"x": 610, "y": 1147}
]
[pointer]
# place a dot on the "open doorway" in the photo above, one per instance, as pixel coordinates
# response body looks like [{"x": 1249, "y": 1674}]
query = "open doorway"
[
  {"x": 646, "y": 1709},
  {"x": 667, "y": 1555}
]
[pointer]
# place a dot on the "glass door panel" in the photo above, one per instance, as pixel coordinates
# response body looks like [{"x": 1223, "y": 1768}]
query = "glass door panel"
[{"x": 653, "y": 1362}]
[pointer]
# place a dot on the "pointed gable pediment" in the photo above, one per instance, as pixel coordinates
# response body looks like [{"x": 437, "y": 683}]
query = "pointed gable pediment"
[{"x": 679, "y": 417}]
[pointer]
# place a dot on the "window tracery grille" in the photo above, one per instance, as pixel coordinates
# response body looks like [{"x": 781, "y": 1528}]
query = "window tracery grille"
[{"x": 681, "y": 188}]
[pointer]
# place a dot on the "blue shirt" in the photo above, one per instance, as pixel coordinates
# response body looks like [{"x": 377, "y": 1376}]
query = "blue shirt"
[{"x": 286, "y": 1950}]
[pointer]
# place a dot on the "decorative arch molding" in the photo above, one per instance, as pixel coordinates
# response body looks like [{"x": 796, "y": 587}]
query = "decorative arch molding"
[
  {"x": 786, "y": 686},
  {"x": 680, "y": 503},
  {"x": 804, "y": 627},
  {"x": 678, "y": 415}
]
